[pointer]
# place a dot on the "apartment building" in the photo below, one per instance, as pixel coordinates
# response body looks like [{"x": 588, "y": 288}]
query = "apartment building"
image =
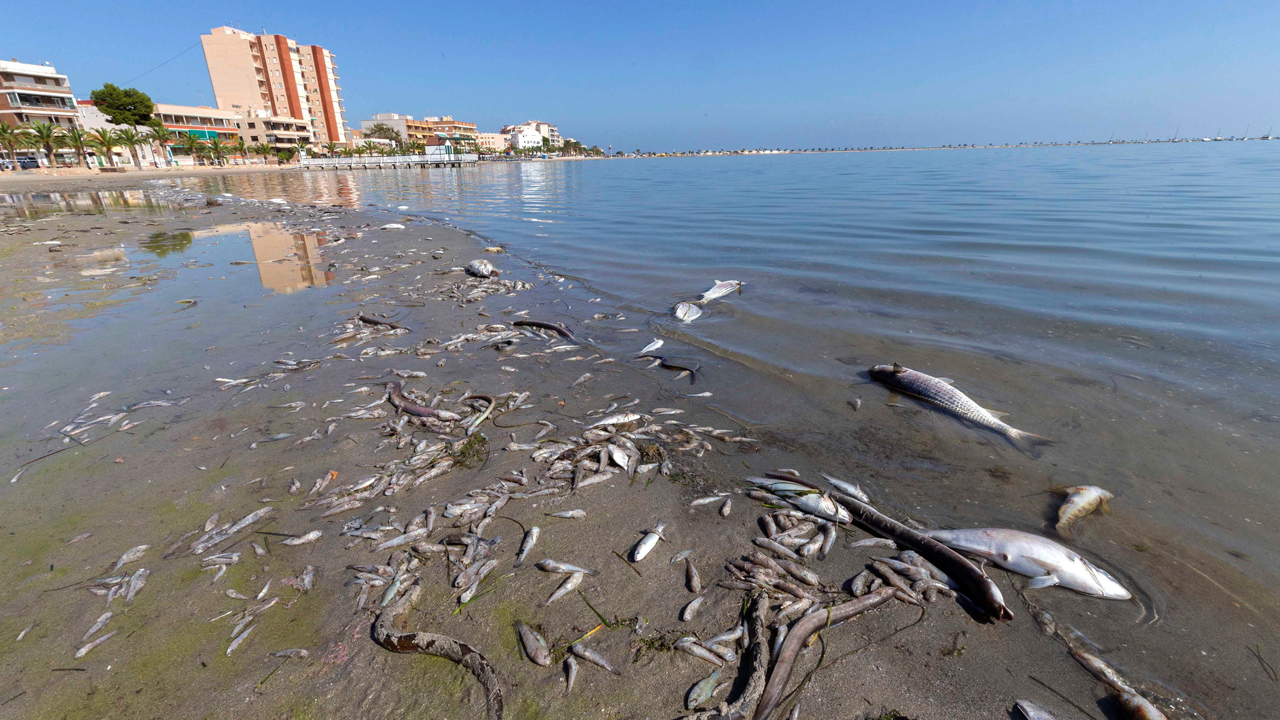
[
  {"x": 456, "y": 130},
  {"x": 546, "y": 130},
  {"x": 274, "y": 76},
  {"x": 203, "y": 122},
  {"x": 525, "y": 138},
  {"x": 35, "y": 93},
  {"x": 428, "y": 130},
  {"x": 278, "y": 131},
  {"x": 493, "y": 142}
]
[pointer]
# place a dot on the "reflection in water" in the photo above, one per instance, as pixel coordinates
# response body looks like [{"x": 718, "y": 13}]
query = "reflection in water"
[
  {"x": 320, "y": 188},
  {"x": 161, "y": 244},
  {"x": 33, "y": 205},
  {"x": 287, "y": 262}
]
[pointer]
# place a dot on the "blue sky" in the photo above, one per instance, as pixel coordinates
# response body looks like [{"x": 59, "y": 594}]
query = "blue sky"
[{"x": 664, "y": 76}]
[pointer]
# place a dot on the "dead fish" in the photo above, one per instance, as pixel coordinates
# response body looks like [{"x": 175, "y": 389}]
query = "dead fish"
[
  {"x": 687, "y": 312},
  {"x": 25, "y": 631},
  {"x": 648, "y": 542},
  {"x": 292, "y": 653},
  {"x": 553, "y": 566},
  {"x": 775, "y": 548},
  {"x": 726, "y": 508},
  {"x": 706, "y": 500},
  {"x": 570, "y": 673},
  {"x": 719, "y": 290},
  {"x": 1081, "y": 500},
  {"x": 131, "y": 555},
  {"x": 651, "y": 346},
  {"x": 1044, "y": 561},
  {"x": 136, "y": 582},
  {"x": 310, "y": 537},
  {"x": 97, "y": 625},
  {"x": 697, "y": 395},
  {"x": 405, "y": 539},
  {"x": 1136, "y": 706},
  {"x": 691, "y": 577},
  {"x": 702, "y": 691},
  {"x": 680, "y": 556},
  {"x": 569, "y": 514},
  {"x": 847, "y": 488},
  {"x": 939, "y": 392},
  {"x": 85, "y": 650},
  {"x": 240, "y": 638},
  {"x": 1032, "y": 711},
  {"x": 307, "y": 580},
  {"x": 619, "y": 419},
  {"x": 482, "y": 269},
  {"x": 872, "y": 543},
  {"x": 691, "y": 646},
  {"x": 530, "y": 539},
  {"x": 535, "y": 646},
  {"x": 592, "y": 656},
  {"x": 691, "y": 609},
  {"x": 569, "y": 585}
]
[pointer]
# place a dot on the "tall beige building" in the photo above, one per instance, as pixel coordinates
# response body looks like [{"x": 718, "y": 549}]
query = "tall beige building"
[{"x": 267, "y": 76}]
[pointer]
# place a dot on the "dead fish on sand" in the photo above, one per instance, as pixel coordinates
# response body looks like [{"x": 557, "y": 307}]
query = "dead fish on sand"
[
  {"x": 651, "y": 346},
  {"x": 702, "y": 690},
  {"x": 719, "y": 290},
  {"x": 1081, "y": 500},
  {"x": 1044, "y": 561},
  {"x": 1136, "y": 706},
  {"x": 685, "y": 365},
  {"x": 1032, "y": 711},
  {"x": 85, "y": 650},
  {"x": 570, "y": 584},
  {"x": 554, "y": 566},
  {"x": 310, "y": 537},
  {"x": 535, "y": 646},
  {"x": 939, "y": 392},
  {"x": 648, "y": 542},
  {"x": 530, "y": 539},
  {"x": 592, "y": 656},
  {"x": 687, "y": 312},
  {"x": 131, "y": 555}
]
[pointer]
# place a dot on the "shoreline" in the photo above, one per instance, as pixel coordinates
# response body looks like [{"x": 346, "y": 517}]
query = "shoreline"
[{"x": 925, "y": 680}]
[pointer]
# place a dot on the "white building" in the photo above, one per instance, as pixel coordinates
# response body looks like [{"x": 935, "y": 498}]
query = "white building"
[
  {"x": 525, "y": 137},
  {"x": 546, "y": 130}
]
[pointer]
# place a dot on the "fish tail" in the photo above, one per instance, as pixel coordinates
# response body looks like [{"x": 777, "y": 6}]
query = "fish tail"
[{"x": 1031, "y": 438}]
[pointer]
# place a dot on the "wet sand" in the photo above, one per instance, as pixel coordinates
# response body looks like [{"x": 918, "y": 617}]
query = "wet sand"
[{"x": 160, "y": 481}]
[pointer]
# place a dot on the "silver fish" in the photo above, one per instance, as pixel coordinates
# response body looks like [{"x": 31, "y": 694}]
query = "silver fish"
[
  {"x": 240, "y": 638},
  {"x": 719, "y": 290},
  {"x": 553, "y": 566},
  {"x": 872, "y": 543},
  {"x": 847, "y": 488},
  {"x": 687, "y": 312},
  {"x": 569, "y": 514},
  {"x": 619, "y": 419},
  {"x": 585, "y": 377},
  {"x": 680, "y": 556},
  {"x": 726, "y": 508},
  {"x": 310, "y": 537},
  {"x": 569, "y": 585},
  {"x": 1081, "y": 500},
  {"x": 85, "y": 650},
  {"x": 136, "y": 582},
  {"x": 292, "y": 653},
  {"x": 98, "y": 625},
  {"x": 728, "y": 636},
  {"x": 1044, "y": 561},
  {"x": 131, "y": 555},
  {"x": 693, "y": 647},
  {"x": 535, "y": 646},
  {"x": 651, "y": 346},
  {"x": 395, "y": 542},
  {"x": 592, "y": 656},
  {"x": 706, "y": 500},
  {"x": 936, "y": 391},
  {"x": 691, "y": 609},
  {"x": 530, "y": 539},
  {"x": 481, "y": 269},
  {"x": 702, "y": 690},
  {"x": 570, "y": 673},
  {"x": 1032, "y": 711},
  {"x": 648, "y": 542},
  {"x": 1135, "y": 706},
  {"x": 692, "y": 579}
]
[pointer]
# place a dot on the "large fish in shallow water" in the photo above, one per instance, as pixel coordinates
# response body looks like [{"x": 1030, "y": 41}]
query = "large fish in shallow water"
[
  {"x": 1041, "y": 559},
  {"x": 939, "y": 392},
  {"x": 719, "y": 290}
]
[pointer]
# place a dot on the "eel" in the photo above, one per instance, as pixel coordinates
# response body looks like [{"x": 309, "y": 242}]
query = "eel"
[
  {"x": 375, "y": 321},
  {"x": 975, "y": 586},
  {"x": 799, "y": 635},
  {"x": 426, "y": 643},
  {"x": 672, "y": 362},
  {"x": 757, "y": 656},
  {"x": 396, "y": 395},
  {"x": 556, "y": 328}
]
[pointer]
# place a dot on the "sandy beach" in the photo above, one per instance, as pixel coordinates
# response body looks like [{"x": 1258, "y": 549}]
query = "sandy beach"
[{"x": 277, "y": 398}]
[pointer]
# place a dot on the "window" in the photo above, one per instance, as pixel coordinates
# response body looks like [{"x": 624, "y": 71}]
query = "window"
[
  {"x": 253, "y": 138},
  {"x": 252, "y": 126}
]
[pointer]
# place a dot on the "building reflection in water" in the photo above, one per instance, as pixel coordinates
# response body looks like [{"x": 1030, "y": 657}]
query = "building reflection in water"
[{"x": 287, "y": 262}]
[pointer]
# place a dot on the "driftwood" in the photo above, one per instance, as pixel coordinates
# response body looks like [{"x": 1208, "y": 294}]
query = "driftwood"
[
  {"x": 757, "y": 656},
  {"x": 385, "y": 634},
  {"x": 801, "y": 631}
]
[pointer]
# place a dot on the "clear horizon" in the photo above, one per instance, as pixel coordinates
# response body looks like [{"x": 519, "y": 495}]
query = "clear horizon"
[{"x": 718, "y": 76}]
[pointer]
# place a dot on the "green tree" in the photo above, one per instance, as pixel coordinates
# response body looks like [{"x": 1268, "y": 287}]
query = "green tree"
[
  {"x": 330, "y": 148},
  {"x": 11, "y": 139},
  {"x": 191, "y": 145},
  {"x": 285, "y": 155},
  {"x": 368, "y": 148},
  {"x": 46, "y": 136},
  {"x": 385, "y": 132},
  {"x": 104, "y": 141},
  {"x": 239, "y": 148},
  {"x": 77, "y": 140},
  {"x": 262, "y": 150},
  {"x": 160, "y": 136},
  {"x": 123, "y": 106},
  {"x": 218, "y": 149},
  {"x": 131, "y": 139}
]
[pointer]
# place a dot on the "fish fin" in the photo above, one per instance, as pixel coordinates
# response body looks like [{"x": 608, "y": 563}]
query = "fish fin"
[
  {"x": 1064, "y": 531},
  {"x": 947, "y": 380},
  {"x": 1104, "y": 508},
  {"x": 893, "y": 400},
  {"x": 998, "y": 414},
  {"x": 898, "y": 369},
  {"x": 1042, "y": 581}
]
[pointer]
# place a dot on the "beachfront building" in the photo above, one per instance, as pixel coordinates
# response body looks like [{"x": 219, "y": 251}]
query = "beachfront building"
[
  {"x": 428, "y": 130},
  {"x": 36, "y": 93},
  {"x": 546, "y": 130},
  {"x": 525, "y": 138},
  {"x": 278, "y": 131},
  {"x": 272, "y": 76},
  {"x": 205, "y": 123},
  {"x": 493, "y": 142}
]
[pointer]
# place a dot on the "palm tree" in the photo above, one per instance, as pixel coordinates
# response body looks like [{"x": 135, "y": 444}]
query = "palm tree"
[
  {"x": 130, "y": 138},
  {"x": 46, "y": 136},
  {"x": 330, "y": 148},
  {"x": 77, "y": 139},
  {"x": 369, "y": 148},
  {"x": 193, "y": 145},
  {"x": 105, "y": 142},
  {"x": 218, "y": 148},
  {"x": 262, "y": 150},
  {"x": 11, "y": 139},
  {"x": 160, "y": 136},
  {"x": 239, "y": 148}
]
